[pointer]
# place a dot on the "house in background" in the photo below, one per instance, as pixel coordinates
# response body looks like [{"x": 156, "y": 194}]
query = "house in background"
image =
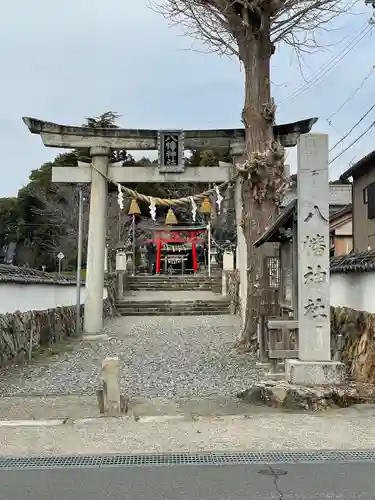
[
  {"x": 341, "y": 231},
  {"x": 363, "y": 202},
  {"x": 340, "y": 199},
  {"x": 340, "y": 194}
]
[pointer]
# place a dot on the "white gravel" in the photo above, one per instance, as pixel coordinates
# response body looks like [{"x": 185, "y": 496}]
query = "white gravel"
[{"x": 168, "y": 357}]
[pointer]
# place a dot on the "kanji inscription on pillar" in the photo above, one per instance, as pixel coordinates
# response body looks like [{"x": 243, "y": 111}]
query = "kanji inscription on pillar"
[
  {"x": 315, "y": 275},
  {"x": 171, "y": 151},
  {"x": 313, "y": 248},
  {"x": 316, "y": 243},
  {"x": 315, "y": 308}
]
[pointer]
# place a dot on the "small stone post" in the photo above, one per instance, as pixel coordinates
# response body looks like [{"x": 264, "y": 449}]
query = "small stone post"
[{"x": 111, "y": 387}]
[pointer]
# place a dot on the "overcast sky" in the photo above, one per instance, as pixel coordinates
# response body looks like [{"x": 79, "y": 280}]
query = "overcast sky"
[{"x": 64, "y": 61}]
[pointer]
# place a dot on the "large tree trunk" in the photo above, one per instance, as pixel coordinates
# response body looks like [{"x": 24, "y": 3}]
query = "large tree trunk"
[{"x": 256, "y": 51}]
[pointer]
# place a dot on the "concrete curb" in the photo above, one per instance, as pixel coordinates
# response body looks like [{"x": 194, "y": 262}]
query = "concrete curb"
[
  {"x": 93, "y": 420},
  {"x": 101, "y": 336}
]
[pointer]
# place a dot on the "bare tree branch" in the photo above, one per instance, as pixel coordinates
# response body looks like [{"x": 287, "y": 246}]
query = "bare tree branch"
[{"x": 219, "y": 23}]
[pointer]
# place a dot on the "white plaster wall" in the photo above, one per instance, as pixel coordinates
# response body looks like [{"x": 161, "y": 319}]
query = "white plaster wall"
[
  {"x": 345, "y": 230},
  {"x": 31, "y": 297},
  {"x": 338, "y": 194},
  {"x": 354, "y": 290}
]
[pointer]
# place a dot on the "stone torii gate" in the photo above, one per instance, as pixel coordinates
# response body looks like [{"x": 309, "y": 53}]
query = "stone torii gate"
[{"x": 170, "y": 145}]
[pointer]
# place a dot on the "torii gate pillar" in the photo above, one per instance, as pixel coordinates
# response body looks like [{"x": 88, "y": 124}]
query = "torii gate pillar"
[{"x": 93, "y": 317}]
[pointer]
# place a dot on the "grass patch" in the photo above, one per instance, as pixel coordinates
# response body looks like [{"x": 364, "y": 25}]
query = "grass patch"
[
  {"x": 74, "y": 273},
  {"x": 53, "y": 351}
]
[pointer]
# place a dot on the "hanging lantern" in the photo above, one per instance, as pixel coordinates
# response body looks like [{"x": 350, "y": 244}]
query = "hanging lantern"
[
  {"x": 171, "y": 218},
  {"x": 206, "y": 207},
  {"x": 134, "y": 208}
]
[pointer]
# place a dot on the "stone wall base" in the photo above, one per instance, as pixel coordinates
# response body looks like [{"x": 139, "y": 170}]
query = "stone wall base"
[
  {"x": 313, "y": 373},
  {"x": 281, "y": 394}
]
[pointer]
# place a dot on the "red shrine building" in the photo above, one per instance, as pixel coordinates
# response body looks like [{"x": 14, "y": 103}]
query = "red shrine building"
[{"x": 179, "y": 249}]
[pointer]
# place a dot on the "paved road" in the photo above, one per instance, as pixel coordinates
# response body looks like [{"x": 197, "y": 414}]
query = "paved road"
[{"x": 333, "y": 481}]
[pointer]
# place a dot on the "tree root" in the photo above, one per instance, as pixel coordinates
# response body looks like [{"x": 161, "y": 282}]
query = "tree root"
[{"x": 245, "y": 347}]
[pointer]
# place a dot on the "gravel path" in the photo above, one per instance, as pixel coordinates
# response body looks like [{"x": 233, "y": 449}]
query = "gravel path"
[{"x": 168, "y": 357}]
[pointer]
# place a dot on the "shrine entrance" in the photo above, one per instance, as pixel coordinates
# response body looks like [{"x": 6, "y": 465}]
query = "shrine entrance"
[
  {"x": 179, "y": 250},
  {"x": 99, "y": 171}
]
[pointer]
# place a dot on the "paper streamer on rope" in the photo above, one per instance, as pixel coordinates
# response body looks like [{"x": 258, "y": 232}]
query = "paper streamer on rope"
[
  {"x": 194, "y": 209},
  {"x": 152, "y": 209},
  {"x": 219, "y": 199},
  {"x": 120, "y": 197}
]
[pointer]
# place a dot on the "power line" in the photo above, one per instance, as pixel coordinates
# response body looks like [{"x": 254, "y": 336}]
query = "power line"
[
  {"x": 329, "y": 65},
  {"x": 371, "y": 72},
  {"x": 351, "y": 130},
  {"x": 354, "y": 142}
]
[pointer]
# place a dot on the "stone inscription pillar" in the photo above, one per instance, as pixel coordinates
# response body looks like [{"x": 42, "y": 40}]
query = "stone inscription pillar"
[
  {"x": 313, "y": 249},
  {"x": 93, "y": 317}
]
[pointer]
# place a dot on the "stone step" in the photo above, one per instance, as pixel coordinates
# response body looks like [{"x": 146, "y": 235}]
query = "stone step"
[
  {"x": 171, "y": 305},
  {"x": 170, "y": 288},
  {"x": 158, "y": 312},
  {"x": 172, "y": 308},
  {"x": 179, "y": 283},
  {"x": 165, "y": 277},
  {"x": 160, "y": 301},
  {"x": 174, "y": 282}
]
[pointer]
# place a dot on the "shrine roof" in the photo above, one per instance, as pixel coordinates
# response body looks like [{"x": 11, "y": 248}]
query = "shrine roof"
[
  {"x": 353, "y": 262},
  {"x": 283, "y": 221}
]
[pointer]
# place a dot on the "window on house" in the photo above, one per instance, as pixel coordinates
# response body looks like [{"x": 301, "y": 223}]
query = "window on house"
[
  {"x": 365, "y": 196},
  {"x": 371, "y": 201}
]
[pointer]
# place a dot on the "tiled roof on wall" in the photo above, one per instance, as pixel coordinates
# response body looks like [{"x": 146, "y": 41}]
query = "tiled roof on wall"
[
  {"x": 354, "y": 262},
  {"x": 16, "y": 274}
]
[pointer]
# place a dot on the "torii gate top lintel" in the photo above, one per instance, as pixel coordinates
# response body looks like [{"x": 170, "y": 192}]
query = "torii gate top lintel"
[{"x": 64, "y": 136}]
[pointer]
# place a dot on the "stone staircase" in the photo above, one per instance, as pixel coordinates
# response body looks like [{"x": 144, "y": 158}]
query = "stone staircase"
[
  {"x": 173, "y": 296},
  {"x": 170, "y": 283},
  {"x": 173, "y": 308}
]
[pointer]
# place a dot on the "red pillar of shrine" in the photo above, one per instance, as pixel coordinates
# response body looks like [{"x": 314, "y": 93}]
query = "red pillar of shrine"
[
  {"x": 194, "y": 255},
  {"x": 158, "y": 255}
]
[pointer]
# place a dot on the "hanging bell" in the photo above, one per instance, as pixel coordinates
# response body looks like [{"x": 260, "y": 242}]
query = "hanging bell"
[
  {"x": 206, "y": 206},
  {"x": 134, "y": 208},
  {"x": 171, "y": 219}
]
